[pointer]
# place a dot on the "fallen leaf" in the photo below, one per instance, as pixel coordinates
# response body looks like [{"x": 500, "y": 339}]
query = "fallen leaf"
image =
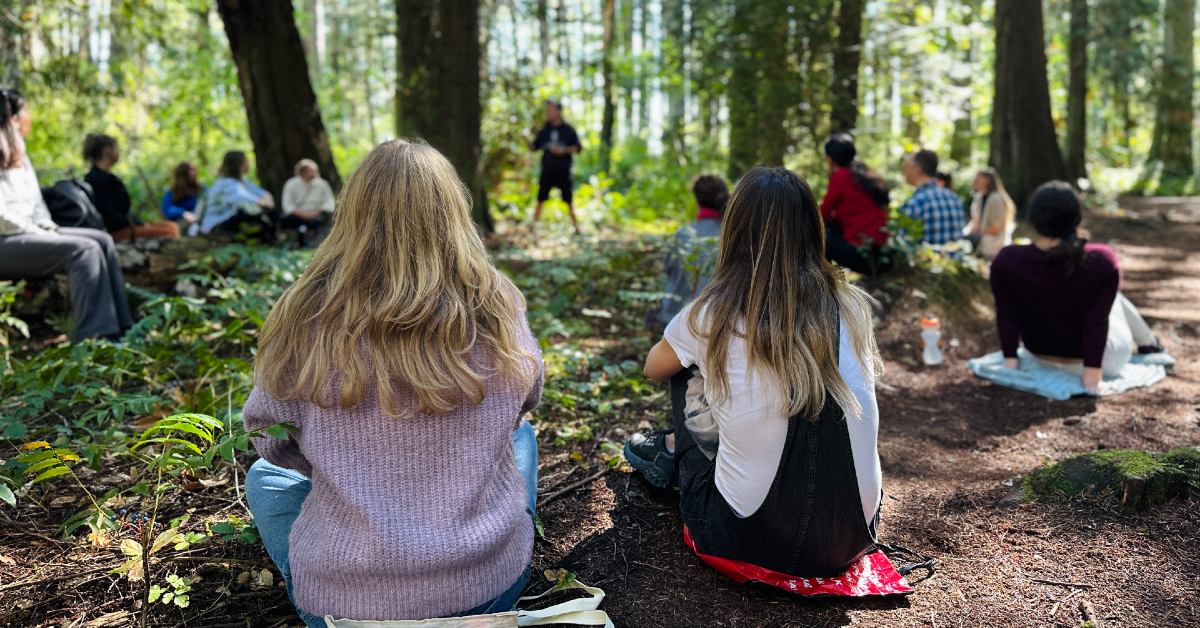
[
  {"x": 243, "y": 578},
  {"x": 263, "y": 579},
  {"x": 108, "y": 619},
  {"x": 62, "y": 500},
  {"x": 7, "y": 560}
]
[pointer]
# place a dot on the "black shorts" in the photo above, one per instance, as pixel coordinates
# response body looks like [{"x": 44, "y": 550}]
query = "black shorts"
[{"x": 560, "y": 180}]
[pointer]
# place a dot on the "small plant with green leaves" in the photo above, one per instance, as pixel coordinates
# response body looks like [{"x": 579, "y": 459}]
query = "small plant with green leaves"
[{"x": 176, "y": 591}]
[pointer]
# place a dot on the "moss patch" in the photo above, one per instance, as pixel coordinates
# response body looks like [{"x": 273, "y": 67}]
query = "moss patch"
[{"x": 1132, "y": 479}]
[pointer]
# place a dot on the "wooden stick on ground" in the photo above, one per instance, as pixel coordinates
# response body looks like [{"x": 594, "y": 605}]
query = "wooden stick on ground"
[{"x": 573, "y": 486}]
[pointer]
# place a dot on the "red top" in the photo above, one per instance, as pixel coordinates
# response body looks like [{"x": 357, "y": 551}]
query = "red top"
[
  {"x": 847, "y": 203},
  {"x": 1054, "y": 315}
]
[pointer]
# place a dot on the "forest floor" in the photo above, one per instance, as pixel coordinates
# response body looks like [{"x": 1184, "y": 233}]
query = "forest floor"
[{"x": 951, "y": 447}]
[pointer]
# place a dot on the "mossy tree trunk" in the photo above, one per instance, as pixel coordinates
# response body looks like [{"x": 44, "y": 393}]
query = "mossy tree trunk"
[{"x": 846, "y": 60}]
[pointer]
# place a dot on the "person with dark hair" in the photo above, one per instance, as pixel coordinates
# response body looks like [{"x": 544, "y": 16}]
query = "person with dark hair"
[
  {"x": 232, "y": 201},
  {"x": 939, "y": 209},
  {"x": 179, "y": 201},
  {"x": 854, "y": 210},
  {"x": 772, "y": 371},
  {"x": 31, "y": 245},
  {"x": 559, "y": 143},
  {"x": 944, "y": 180},
  {"x": 689, "y": 256},
  {"x": 111, "y": 197},
  {"x": 1060, "y": 295}
]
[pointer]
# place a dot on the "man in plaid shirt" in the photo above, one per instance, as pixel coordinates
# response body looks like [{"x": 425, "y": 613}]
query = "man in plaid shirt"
[{"x": 939, "y": 209}]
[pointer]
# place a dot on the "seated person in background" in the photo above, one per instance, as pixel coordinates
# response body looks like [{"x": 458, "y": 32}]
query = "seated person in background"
[
  {"x": 689, "y": 260},
  {"x": 31, "y": 245},
  {"x": 938, "y": 209},
  {"x": 111, "y": 197},
  {"x": 404, "y": 360},
  {"x": 944, "y": 180},
  {"x": 179, "y": 201},
  {"x": 232, "y": 201},
  {"x": 993, "y": 215},
  {"x": 307, "y": 198},
  {"x": 1060, "y": 296},
  {"x": 788, "y": 358},
  {"x": 854, "y": 210}
]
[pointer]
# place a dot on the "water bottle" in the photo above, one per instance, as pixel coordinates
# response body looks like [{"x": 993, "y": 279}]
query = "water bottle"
[{"x": 931, "y": 334}]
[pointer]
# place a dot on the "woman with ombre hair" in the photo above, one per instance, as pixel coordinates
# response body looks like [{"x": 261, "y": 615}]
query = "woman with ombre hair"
[{"x": 404, "y": 361}]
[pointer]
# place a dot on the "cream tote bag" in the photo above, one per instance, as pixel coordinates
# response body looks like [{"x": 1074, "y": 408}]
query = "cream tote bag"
[{"x": 581, "y": 612}]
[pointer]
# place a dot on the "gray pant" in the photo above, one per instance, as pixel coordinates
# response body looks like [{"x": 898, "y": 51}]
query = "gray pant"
[{"x": 98, "y": 305}]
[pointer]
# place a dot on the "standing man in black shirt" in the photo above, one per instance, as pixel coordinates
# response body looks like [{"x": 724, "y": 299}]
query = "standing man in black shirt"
[{"x": 559, "y": 143}]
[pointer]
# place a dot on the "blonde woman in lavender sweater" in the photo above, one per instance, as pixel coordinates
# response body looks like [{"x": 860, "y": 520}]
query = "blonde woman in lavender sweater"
[{"x": 404, "y": 360}]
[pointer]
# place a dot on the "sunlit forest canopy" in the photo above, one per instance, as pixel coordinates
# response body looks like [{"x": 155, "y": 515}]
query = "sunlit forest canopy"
[{"x": 160, "y": 76}]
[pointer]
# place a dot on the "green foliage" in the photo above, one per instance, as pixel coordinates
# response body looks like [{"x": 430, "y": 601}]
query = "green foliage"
[
  {"x": 1137, "y": 478},
  {"x": 174, "y": 593}
]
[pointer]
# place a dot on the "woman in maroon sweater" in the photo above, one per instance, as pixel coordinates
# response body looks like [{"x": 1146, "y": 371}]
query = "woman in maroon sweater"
[
  {"x": 854, "y": 210},
  {"x": 1060, "y": 295}
]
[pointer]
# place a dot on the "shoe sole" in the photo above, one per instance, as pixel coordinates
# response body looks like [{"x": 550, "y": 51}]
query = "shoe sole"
[{"x": 652, "y": 473}]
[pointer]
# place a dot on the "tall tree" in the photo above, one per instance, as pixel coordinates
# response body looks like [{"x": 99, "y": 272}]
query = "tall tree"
[
  {"x": 846, "y": 59},
  {"x": 1077, "y": 91},
  {"x": 438, "y": 86},
  {"x": 610, "y": 88},
  {"x": 281, "y": 108},
  {"x": 759, "y": 94},
  {"x": 1172, "y": 145},
  {"x": 1024, "y": 147},
  {"x": 674, "y": 52},
  {"x": 10, "y": 37}
]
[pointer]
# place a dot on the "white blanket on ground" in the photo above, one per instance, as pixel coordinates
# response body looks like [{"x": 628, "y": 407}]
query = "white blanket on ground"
[{"x": 1037, "y": 377}]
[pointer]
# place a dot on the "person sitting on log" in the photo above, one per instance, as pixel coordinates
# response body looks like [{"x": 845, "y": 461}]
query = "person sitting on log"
[
  {"x": 308, "y": 200},
  {"x": 1060, "y": 296},
  {"x": 31, "y": 245},
  {"x": 773, "y": 409},
  {"x": 854, "y": 209},
  {"x": 938, "y": 209},
  {"x": 180, "y": 200},
  {"x": 232, "y": 202},
  {"x": 404, "y": 362},
  {"x": 689, "y": 259},
  {"x": 111, "y": 197}
]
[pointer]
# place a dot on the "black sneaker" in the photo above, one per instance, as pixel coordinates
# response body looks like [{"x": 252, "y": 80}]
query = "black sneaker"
[
  {"x": 649, "y": 455},
  {"x": 1153, "y": 347}
]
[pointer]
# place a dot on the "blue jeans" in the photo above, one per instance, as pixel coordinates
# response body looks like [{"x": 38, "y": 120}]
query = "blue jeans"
[{"x": 275, "y": 495}]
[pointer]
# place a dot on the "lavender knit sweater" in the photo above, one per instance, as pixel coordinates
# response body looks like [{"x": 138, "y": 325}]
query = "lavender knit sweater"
[{"x": 407, "y": 519}]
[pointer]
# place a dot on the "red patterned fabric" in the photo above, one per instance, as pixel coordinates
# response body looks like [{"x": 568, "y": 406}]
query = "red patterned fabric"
[{"x": 872, "y": 575}]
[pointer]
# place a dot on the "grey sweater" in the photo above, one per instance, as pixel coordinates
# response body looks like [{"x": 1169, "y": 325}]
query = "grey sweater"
[{"x": 407, "y": 518}]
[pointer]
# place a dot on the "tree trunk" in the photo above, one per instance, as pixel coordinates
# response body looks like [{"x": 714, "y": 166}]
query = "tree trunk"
[
  {"x": 438, "y": 87},
  {"x": 846, "y": 59},
  {"x": 284, "y": 118},
  {"x": 760, "y": 94},
  {"x": 610, "y": 88},
  {"x": 642, "y": 69},
  {"x": 10, "y": 46},
  {"x": 674, "y": 49},
  {"x": 626, "y": 17},
  {"x": 1077, "y": 92},
  {"x": 1023, "y": 144},
  {"x": 543, "y": 19},
  {"x": 1172, "y": 145}
]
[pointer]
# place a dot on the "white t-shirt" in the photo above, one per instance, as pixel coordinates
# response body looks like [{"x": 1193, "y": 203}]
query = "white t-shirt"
[
  {"x": 753, "y": 429},
  {"x": 302, "y": 195}
]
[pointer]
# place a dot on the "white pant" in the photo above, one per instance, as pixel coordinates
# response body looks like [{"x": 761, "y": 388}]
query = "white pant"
[{"x": 1127, "y": 331}]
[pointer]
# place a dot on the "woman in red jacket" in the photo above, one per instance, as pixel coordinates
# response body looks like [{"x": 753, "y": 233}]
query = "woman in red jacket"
[{"x": 854, "y": 210}]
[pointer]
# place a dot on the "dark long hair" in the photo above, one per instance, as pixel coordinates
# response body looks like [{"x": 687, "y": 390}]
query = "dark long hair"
[
  {"x": 11, "y": 103},
  {"x": 1055, "y": 212},
  {"x": 711, "y": 192},
  {"x": 231, "y": 165},
  {"x": 183, "y": 184},
  {"x": 773, "y": 287},
  {"x": 840, "y": 148}
]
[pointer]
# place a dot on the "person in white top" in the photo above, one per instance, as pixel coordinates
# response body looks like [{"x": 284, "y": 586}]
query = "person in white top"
[
  {"x": 774, "y": 449},
  {"x": 32, "y": 245},
  {"x": 993, "y": 215},
  {"x": 307, "y": 199}
]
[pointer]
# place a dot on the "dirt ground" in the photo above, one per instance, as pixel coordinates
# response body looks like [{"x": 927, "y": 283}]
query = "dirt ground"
[{"x": 951, "y": 447}]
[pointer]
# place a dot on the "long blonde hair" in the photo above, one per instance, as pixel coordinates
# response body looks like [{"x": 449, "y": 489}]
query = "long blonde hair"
[
  {"x": 773, "y": 286},
  {"x": 397, "y": 298},
  {"x": 996, "y": 186}
]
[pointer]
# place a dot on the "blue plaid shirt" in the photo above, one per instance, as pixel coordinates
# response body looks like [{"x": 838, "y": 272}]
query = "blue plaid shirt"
[{"x": 939, "y": 209}]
